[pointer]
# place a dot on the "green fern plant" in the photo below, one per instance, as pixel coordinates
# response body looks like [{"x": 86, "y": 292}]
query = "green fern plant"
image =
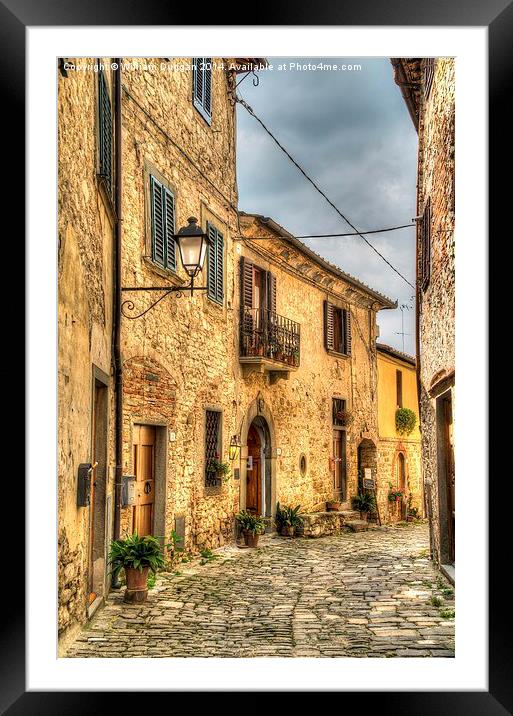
[{"x": 134, "y": 552}]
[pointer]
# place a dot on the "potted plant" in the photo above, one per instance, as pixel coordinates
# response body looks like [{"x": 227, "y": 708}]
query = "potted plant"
[
  {"x": 218, "y": 468},
  {"x": 333, "y": 505},
  {"x": 252, "y": 527},
  {"x": 344, "y": 417},
  {"x": 394, "y": 495},
  {"x": 136, "y": 556},
  {"x": 363, "y": 503},
  {"x": 287, "y": 519}
]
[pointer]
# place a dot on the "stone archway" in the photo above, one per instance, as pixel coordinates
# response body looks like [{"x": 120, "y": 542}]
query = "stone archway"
[
  {"x": 258, "y": 460},
  {"x": 367, "y": 460}
]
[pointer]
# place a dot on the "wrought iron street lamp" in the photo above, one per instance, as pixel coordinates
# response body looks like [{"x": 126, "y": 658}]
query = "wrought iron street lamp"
[{"x": 192, "y": 245}]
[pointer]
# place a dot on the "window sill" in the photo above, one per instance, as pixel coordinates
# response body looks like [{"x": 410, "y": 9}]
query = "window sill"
[
  {"x": 203, "y": 114},
  {"x": 166, "y": 273},
  {"x": 336, "y": 354}
]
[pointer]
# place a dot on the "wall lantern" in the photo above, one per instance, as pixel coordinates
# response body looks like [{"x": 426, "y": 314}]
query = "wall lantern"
[
  {"x": 234, "y": 451},
  {"x": 192, "y": 245}
]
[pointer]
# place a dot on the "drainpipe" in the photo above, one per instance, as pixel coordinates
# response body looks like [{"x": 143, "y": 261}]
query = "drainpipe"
[{"x": 118, "y": 439}]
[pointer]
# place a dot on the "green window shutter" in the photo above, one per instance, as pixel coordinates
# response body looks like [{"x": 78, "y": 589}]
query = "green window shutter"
[
  {"x": 211, "y": 263},
  {"x": 219, "y": 268},
  {"x": 207, "y": 86},
  {"x": 202, "y": 86},
  {"x": 169, "y": 224},
  {"x": 197, "y": 81},
  {"x": 215, "y": 266},
  {"x": 105, "y": 131},
  {"x": 158, "y": 231}
]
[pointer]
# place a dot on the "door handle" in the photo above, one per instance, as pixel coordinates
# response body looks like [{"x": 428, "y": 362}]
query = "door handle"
[{"x": 147, "y": 488}]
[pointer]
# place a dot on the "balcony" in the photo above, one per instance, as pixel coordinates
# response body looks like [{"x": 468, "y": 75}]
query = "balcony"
[{"x": 269, "y": 343}]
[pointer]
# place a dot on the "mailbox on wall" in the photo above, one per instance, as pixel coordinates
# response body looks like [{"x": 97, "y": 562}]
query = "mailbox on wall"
[
  {"x": 128, "y": 490},
  {"x": 85, "y": 471}
]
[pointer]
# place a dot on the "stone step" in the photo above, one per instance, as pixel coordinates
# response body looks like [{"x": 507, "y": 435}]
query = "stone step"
[
  {"x": 349, "y": 515},
  {"x": 356, "y": 525}
]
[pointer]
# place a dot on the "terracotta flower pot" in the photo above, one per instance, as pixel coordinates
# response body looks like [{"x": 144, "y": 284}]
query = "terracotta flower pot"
[
  {"x": 136, "y": 585},
  {"x": 287, "y": 531},
  {"x": 333, "y": 506},
  {"x": 250, "y": 539},
  {"x": 364, "y": 515}
]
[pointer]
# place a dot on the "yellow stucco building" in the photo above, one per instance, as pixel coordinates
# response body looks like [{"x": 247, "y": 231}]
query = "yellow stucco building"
[{"x": 399, "y": 455}]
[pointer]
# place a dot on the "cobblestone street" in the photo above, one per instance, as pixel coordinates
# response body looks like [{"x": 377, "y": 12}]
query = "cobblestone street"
[{"x": 367, "y": 594}]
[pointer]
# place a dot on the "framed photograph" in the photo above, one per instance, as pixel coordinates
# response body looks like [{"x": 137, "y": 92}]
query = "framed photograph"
[{"x": 250, "y": 281}]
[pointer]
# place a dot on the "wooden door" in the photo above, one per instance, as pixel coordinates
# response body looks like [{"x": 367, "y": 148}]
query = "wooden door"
[
  {"x": 401, "y": 480},
  {"x": 92, "y": 593},
  {"x": 144, "y": 469},
  {"x": 254, "y": 475},
  {"x": 450, "y": 476},
  {"x": 339, "y": 455}
]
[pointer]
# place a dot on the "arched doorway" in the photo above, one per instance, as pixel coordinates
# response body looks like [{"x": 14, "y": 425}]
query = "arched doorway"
[{"x": 258, "y": 468}]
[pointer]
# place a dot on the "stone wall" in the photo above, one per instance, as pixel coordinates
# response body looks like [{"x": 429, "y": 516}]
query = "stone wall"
[
  {"x": 437, "y": 306},
  {"x": 85, "y": 241},
  {"x": 187, "y": 344},
  {"x": 388, "y": 452}
]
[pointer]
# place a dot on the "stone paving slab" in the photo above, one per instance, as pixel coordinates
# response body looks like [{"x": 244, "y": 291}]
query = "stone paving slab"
[{"x": 362, "y": 594}]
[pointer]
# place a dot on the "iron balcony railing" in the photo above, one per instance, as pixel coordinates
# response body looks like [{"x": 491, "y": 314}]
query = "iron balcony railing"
[{"x": 266, "y": 334}]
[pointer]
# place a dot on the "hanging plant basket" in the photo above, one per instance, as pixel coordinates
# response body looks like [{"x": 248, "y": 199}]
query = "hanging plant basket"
[
  {"x": 405, "y": 421},
  {"x": 344, "y": 417}
]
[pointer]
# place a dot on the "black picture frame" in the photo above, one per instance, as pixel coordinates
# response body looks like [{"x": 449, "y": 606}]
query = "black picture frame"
[{"x": 497, "y": 15}]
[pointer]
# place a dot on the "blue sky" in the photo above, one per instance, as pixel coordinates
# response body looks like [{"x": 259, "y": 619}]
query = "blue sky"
[{"x": 352, "y": 134}]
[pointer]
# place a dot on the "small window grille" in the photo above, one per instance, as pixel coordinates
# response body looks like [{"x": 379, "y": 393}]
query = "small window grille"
[{"x": 212, "y": 447}]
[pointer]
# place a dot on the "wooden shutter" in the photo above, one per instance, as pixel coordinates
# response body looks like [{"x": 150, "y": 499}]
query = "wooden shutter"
[
  {"x": 399, "y": 387},
  {"x": 429, "y": 73},
  {"x": 169, "y": 222},
  {"x": 271, "y": 292},
  {"x": 105, "y": 130},
  {"x": 425, "y": 245},
  {"x": 329, "y": 336},
  {"x": 158, "y": 251},
  {"x": 219, "y": 289},
  {"x": 246, "y": 282},
  {"x": 347, "y": 332}
]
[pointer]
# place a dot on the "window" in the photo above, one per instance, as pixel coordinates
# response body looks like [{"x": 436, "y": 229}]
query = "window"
[
  {"x": 105, "y": 132},
  {"x": 302, "y": 465},
  {"x": 212, "y": 446},
  {"x": 202, "y": 86},
  {"x": 339, "y": 406},
  {"x": 429, "y": 72},
  {"x": 399, "y": 387},
  {"x": 215, "y": 267},
  {"x": 425, "y": 245},
  {"x": 337, "y": 329},
  {"x": 163, "y": 250}
]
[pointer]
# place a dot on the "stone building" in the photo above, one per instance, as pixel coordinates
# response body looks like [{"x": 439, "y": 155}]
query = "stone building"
[
  {"x": 86, "y": 222},
  {"x": 428, "y": 87},
  {"x": 180, "y": 358},
  {"x": 399, "y": 456},
  {"x": 307, "y": 378}
]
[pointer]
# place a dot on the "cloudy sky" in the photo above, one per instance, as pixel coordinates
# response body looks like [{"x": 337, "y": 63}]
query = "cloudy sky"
[{"x": 352, "y": 134}]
